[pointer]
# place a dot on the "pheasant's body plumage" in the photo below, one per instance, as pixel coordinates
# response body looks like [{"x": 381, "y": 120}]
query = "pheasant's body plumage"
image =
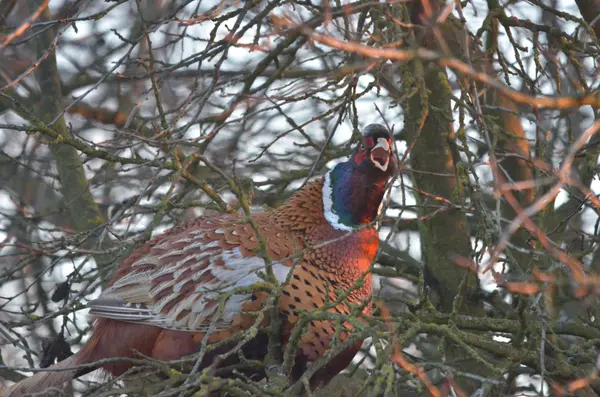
[
  {"x": 166, "y": 297},
  {"x": 175, "y": 280}
]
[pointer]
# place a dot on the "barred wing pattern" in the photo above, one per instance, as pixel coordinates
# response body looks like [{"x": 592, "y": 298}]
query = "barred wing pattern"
[{"x": 176, "y": 283}]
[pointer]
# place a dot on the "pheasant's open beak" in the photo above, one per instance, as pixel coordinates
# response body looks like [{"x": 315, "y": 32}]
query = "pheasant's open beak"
[{"x": 380, "y": 154}]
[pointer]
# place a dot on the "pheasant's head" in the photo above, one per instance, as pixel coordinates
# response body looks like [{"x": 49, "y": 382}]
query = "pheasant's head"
[{"x": 353, "y": 190}]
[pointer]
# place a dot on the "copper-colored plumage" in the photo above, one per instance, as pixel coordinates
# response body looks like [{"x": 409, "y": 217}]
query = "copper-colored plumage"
[
  {"x": 164, "y": 298},
  {"x": 163, "y": 275}
]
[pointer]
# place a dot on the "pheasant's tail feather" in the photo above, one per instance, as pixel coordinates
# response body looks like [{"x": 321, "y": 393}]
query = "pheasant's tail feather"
[{"x": 42, "y": 383}]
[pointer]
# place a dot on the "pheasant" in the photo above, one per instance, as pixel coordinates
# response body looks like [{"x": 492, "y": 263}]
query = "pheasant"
[{"x": 165, "y": 298}]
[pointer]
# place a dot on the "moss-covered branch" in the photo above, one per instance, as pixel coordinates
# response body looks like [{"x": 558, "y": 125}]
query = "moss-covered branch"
[{"x": 75, "y": 188}]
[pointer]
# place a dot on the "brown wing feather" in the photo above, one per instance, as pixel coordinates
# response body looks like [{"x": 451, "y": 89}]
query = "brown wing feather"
[{"x": 176, "y": 281}]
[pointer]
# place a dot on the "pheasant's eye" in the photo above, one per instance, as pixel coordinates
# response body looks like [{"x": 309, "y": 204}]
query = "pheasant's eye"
[{"x": 361, "y": 147}]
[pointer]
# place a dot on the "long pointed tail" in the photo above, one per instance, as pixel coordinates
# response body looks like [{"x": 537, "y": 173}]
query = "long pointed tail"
[
  {"x": 110, "y": 338},
  {"x": 47, "y": 381}
]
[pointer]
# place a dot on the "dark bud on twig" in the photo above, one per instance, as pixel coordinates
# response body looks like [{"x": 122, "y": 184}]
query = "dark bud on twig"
[
  {"x": 61, "y": 292},
  {"x": 56, "y": 349}
]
